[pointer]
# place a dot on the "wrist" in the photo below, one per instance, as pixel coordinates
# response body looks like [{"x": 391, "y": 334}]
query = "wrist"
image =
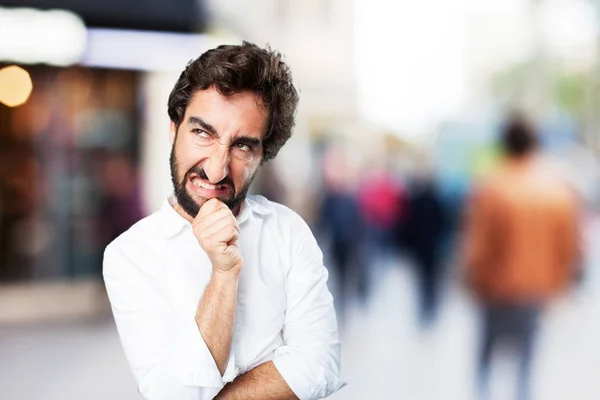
[{"x": 230, "y": 276}]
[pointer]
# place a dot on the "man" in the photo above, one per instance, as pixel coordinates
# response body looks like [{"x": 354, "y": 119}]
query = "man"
[
  {"x": 521, "y": 248},
  {"x": 220, "y": 295}
]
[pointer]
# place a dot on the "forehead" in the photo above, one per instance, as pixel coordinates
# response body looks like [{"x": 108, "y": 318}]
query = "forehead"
[{"x": 240, "y": 113}]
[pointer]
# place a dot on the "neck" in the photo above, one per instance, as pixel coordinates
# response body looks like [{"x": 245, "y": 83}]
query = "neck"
[{"x": 521, "y": 159}]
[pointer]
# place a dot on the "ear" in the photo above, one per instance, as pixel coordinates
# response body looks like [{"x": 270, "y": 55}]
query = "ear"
[{"x": 172, "y": 132}]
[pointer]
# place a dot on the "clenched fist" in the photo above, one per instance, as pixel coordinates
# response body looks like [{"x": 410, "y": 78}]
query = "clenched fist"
[{"x": 217, "y": 232}]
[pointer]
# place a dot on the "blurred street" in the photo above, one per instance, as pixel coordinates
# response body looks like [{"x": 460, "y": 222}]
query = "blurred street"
[
  {"x": 445, "y": 155},
  {"x": 385, "y": 356}
]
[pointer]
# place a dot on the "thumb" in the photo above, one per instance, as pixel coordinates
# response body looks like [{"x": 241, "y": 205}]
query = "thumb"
[{"x": 209, "y": 207}]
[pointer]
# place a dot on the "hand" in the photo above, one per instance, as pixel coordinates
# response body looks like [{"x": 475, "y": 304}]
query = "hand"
[{"x": 217, "y": 232}]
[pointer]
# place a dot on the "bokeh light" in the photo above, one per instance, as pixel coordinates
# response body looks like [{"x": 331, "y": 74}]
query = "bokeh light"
[
  {"x": 15, "y": 86},
  {"x": 30, "y": 36}
]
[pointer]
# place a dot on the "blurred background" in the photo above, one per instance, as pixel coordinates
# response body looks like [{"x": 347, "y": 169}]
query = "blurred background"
[{"x": 402, "y": 104}]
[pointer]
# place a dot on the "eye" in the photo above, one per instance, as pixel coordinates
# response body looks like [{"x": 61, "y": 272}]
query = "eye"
[
  {"x": 243, "y": 147},
  {"x": 202, "y": 134}
]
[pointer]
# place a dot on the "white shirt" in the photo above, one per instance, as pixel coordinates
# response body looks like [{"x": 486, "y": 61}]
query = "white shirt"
[{"x": 156, "y": 272}]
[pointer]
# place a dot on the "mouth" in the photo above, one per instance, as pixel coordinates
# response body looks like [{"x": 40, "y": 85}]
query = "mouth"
[{"x": 207, "y": 189}]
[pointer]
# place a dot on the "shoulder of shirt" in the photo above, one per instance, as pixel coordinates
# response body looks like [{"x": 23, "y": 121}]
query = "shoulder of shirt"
[
  {"x": 290, "y": 226},
  {"x": 146, "y": 229},
  {"x": 260, "y": 203},
  {"x": 286, "y": 218}
]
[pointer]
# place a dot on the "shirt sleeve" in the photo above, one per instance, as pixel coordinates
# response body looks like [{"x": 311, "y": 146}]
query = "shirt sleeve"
[
  {"x": 169, "y": 360},
  {"x": 309, "y": 361}
]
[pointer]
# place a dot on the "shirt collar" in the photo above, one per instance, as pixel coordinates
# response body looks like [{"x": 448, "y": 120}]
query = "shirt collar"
[{"x": 173, "y": 223}]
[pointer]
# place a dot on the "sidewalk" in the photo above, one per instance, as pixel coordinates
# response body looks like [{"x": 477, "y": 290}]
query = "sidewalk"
[{"x": 43, "y": 302}]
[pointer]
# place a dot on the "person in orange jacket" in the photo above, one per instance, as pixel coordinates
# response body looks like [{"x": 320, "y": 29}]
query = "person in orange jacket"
[{"x": 521, "y": 247}]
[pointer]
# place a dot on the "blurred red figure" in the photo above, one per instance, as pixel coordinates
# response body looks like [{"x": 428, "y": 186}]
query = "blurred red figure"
[
  {"x": 521, "y": 248},
  {"x": 381, "y": 201}
]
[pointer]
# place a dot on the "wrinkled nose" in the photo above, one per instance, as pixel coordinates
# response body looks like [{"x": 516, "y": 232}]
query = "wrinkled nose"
[{"x": 217, "y": 167}]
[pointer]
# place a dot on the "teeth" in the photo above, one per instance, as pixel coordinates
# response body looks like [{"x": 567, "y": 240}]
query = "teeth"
[{"x": 197, "y": 182}]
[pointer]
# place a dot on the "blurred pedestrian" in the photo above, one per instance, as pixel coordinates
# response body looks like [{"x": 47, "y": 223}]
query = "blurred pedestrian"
[
  {"x": 521, "y": 248},
  {"x": 422, "y": 234},
  {"x": 339, "y": 220},
  {"x": 381, "y": 201}
]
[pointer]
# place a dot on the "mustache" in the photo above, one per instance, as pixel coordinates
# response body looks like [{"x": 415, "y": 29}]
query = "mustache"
[{"x": 227, "y": 181}]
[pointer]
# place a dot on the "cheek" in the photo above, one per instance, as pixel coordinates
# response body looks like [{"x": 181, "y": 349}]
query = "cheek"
[
  {"x": 188, "y": 156},
  {"x": 243, "y": 173}
]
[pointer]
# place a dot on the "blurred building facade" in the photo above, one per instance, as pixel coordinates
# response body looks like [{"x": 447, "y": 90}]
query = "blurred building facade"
[
  {"x": 407, "y": 90},
  {"x": 58, "y": 156},
  {"x": 113, "y": 122},
  {"x": 70, "y": 177}
]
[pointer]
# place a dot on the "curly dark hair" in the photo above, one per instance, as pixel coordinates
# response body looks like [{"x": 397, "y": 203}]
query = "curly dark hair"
[{"x": 232, "y": 69}]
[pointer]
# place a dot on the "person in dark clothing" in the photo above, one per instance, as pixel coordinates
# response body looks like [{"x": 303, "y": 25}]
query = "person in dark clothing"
[
  {"x": 422, "y": 234},
  {"x": 340, "y": 221}
]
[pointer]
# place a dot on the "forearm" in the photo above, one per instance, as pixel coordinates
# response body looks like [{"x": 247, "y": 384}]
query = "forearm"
[
  {"x": 216, "y": 315},
  {"x": 262, "y": 383}
]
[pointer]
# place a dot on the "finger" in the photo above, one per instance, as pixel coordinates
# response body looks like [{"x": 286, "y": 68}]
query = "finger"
[
  {"x": 216, "y": 227},
  {"x": 212, "y": 210},
  {"x": 210, "y": 206},
  {"x": 214, "y": 218},
  {"x": 224, "y": 236},
  {"x": 215, "y": 215}
]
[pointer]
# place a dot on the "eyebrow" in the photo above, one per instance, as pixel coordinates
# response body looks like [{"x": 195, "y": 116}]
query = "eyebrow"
[
  {"x": 197, "y": 121},
  {"x": 205, "y": 125},
  {"x": 247, "y": 140}
]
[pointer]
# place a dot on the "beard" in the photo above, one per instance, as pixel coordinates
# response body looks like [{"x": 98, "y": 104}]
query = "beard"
[{"x": 185, "y": 199}]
